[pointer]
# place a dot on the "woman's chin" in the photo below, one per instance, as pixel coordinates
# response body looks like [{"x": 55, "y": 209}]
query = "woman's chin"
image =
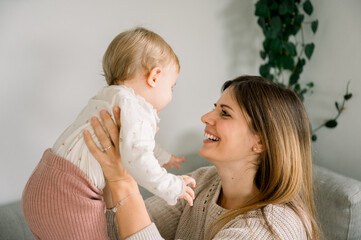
[
  {"x": 200, "y": 152},
  {"x": 204, "y": 153}
]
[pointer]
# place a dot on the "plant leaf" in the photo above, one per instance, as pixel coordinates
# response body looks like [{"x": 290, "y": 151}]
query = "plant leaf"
[
  {"x": 331, "y": 124},
  {"x": 304, "y": 91},
  {"x": 314, "y": 137},
  {"x": 290, "y": 49},
  {"x": 310, "y": 84},
  {"x": 276, "y": 45},
  {"x": 347, "y": 96},
  {"x": 264, "y": 70},
  {"x": 287, "y": 62},
  {"x": 262, "y": 23},
  {"x": 298, "y": 19},
  {"x": 314, "y": 26},
  {"x": 309, "y": 50},
  {"x": 274, "y": 6},
  {"x": 276, "y": 24},
  {"x": 283, "y": 9},
  {"x": 298, "y": 70},
  {"x": 337, "y": 107},
  {"x": 307, "y": 7},
  {"x": 263, "y": 55},
  {"x": 262, "y": 9}
]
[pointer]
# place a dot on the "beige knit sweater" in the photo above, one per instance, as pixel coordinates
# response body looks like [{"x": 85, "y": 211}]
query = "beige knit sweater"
[{"x": 192, "y": 223}]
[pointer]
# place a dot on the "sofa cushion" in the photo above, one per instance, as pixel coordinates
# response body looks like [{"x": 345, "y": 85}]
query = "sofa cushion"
[
  {"x": 12, "y": 223},
  {"x": 338, "y": 204}
]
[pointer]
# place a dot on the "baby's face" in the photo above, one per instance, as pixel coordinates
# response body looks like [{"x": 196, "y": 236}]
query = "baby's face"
[{"x": 163, "y": 91}]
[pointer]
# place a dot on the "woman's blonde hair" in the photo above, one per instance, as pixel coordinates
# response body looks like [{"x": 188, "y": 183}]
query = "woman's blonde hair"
[
  {"x": 284, "y": 174},
  {"x": 136, "y": 51}
]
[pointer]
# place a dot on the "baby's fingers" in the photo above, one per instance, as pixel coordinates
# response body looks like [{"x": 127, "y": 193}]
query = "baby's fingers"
[
  {"x": 189, "y": 180},
  {"x": 189, "y": 199},
  {"x": 176, "y": 165},
  {"x": 189, "y": 191}
]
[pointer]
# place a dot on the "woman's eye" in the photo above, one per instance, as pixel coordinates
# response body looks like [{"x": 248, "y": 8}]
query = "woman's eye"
[{"x": 225, "y": 114}]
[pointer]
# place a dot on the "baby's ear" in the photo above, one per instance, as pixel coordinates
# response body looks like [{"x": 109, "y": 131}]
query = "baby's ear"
[{"x": 153, "y": 76}]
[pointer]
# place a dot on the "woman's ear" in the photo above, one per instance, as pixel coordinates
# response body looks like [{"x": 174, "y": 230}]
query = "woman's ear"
[
  {"x": 258, "y": 147},
  {"x": 153, "y": 76}
]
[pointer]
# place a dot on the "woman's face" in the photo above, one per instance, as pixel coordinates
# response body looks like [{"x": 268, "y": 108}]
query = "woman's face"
[{"x": 227, "y": 136}]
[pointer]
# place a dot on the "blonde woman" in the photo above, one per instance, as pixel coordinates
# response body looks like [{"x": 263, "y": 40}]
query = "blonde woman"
[{"x": 258, "y": 139}]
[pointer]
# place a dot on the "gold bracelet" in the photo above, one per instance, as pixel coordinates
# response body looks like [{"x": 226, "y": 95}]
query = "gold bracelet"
[{"x": 121, "y": 202}]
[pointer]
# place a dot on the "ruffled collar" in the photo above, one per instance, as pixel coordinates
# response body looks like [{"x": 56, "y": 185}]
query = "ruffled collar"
[{"x": 139, "y": 98}]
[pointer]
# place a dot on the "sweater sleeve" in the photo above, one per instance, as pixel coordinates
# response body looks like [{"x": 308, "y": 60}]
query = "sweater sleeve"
[
  {"x": 137, "y": 145},
  {"x": 284, "y": 221},
  {"x": 165, "y": 217},
  {"x": 150, "y": 232}
]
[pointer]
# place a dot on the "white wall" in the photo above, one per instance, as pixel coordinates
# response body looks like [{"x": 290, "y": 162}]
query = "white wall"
[
  {"x": 50, "y": 65},
  {"x": 336, "y": 60}
]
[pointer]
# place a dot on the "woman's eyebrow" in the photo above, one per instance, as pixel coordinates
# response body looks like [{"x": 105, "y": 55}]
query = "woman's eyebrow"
[{"x": 226, "y": 106}]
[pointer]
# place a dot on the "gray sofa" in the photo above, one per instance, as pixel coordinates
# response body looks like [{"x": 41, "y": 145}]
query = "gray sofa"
[{"x": 338, "y": 203}]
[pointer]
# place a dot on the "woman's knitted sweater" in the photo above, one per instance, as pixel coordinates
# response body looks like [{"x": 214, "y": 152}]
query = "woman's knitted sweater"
[{"x": 185, "y": 222}]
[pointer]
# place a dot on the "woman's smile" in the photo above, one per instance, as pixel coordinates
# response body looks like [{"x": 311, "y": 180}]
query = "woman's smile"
[{"x": 210, "y": 138}]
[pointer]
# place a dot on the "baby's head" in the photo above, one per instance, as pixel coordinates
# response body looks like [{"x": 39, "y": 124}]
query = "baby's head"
[{"x": 141, "y": 53}]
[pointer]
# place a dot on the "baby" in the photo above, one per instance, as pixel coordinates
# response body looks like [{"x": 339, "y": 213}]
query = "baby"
[{"x": 141, "y": 70}]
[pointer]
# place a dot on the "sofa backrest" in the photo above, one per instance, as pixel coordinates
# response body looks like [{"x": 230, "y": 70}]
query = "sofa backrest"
[{"x": 338, "y": 204}]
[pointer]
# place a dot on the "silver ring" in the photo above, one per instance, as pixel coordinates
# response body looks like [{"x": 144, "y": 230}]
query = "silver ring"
[{"x": 106, "y": 148}]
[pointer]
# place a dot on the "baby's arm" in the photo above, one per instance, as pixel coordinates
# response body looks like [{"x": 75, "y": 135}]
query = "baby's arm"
[
  {"x": 162, "y": 155},
  {"x": 138, "y": 158},
  {"x": 166, "y": 159}
]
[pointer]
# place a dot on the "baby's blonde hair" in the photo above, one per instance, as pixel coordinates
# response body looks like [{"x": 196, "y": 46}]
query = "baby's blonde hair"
[{"x": 136, "y": 51}]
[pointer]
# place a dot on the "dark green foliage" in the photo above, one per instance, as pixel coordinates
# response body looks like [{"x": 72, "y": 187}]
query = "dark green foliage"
[
  {"x": 281, "y": 22},
  {"x": 314, "y": 137},
  {"x": 314, "y": 26},
  {"x": 307, "y": 7},
  {"x": 331, "y": 123},
  {"x": 309, "y": 50},
  {"x": 347, "y": 96},
  {"x": 284, "y": 47},
  {"x": 340, "y": 107}
]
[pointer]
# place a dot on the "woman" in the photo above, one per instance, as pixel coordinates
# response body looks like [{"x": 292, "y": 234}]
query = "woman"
[{"x": 260, "y": 187}]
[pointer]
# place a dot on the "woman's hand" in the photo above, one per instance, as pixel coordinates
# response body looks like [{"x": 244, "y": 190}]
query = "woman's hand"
[
  {"x": 109, "y": 158},
  {"x": 132, "y": 215}
]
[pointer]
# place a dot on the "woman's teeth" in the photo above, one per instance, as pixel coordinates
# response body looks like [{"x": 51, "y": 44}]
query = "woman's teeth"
[{"x": 210, "y": 137}]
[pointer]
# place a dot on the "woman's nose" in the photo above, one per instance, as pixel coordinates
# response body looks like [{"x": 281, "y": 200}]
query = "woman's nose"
[{"x": 207, "y": 118}]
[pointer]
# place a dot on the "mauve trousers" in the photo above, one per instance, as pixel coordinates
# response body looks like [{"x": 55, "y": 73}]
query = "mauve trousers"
[{"x": 60, "y": 202}]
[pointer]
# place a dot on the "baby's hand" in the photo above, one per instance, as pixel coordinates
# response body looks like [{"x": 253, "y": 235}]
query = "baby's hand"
[
  {"x": 174, "y": 162},
  {"x": 188, "y": 193}
]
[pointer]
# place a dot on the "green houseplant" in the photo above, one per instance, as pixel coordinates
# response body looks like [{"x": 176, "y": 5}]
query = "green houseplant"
[{"x": 285, "y": 50}]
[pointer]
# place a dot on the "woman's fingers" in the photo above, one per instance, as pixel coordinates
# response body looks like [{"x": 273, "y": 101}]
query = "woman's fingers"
[
  {"x": 100, "y": 133},
  {"x": 93, "y": 148},
  {"x": 116, "y": 112},
  {"x": 110, "y": 127}
]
